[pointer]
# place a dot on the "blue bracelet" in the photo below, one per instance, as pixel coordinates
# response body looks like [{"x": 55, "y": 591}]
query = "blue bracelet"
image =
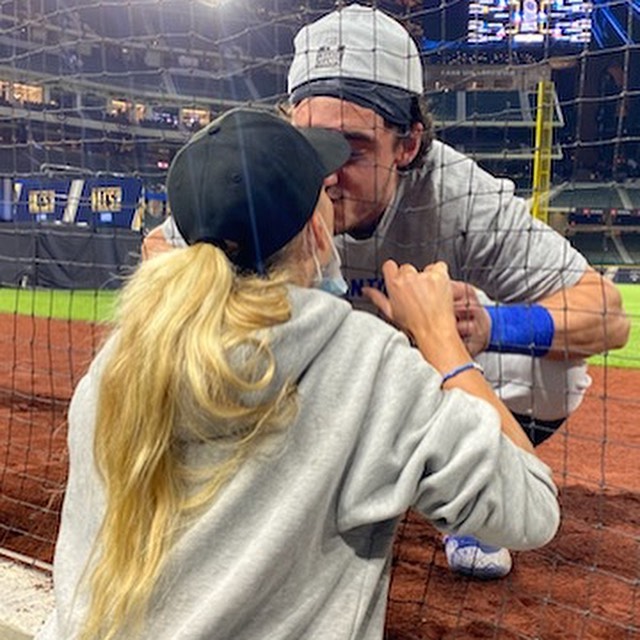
[
  {"x": 463, "y": 367},
  {"x": 526, "y": 329}
]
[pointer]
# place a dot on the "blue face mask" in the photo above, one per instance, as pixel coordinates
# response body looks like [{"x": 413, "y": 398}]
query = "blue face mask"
[{"x": 329, "y": 277}]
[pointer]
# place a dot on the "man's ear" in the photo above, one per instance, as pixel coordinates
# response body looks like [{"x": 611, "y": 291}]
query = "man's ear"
[{"x": 410, "y": 145}]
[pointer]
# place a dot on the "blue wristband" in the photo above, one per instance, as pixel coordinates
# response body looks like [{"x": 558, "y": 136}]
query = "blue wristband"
[
  {"x": 526, "y": 329},
  {"x": 461, "y": 369}
]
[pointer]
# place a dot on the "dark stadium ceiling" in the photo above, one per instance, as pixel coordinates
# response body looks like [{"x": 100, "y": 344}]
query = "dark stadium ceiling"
[
  {"x": 205, "y": 22},
  {"x": 242, "y": 45}
]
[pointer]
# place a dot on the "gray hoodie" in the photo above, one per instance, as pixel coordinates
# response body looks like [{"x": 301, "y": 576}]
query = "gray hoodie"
[{"x": 298, "y": 544}]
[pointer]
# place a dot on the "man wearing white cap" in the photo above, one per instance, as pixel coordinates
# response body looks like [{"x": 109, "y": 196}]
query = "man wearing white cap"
[
  {"x": 405, "y": 196},
  {"x": 409, "y": 197}
]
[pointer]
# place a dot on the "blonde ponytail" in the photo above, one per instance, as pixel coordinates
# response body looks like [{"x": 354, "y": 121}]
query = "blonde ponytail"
[{"x": 191, "y": 346}]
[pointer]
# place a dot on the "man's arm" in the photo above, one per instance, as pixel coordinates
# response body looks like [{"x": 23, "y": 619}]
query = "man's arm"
[{"x": 588, "y": 318}]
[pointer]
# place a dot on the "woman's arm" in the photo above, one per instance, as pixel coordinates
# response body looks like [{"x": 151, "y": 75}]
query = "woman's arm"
[{"x": 421, "y": 304}]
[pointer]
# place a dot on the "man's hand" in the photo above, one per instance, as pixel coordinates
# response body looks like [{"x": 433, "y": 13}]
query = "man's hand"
[
  {"x": 472, "y": 319},
  {"x": 154, "y": 243}
]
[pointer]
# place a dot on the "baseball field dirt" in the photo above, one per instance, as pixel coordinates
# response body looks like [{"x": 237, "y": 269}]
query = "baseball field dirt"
[{"x": 582, "y": 585}]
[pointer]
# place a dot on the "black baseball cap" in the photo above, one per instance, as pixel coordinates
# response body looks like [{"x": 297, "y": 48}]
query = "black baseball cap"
[{"x": 249, "y": 181}]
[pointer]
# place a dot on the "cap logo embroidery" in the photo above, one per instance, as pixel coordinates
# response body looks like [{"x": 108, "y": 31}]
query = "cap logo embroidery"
[{"x": 329, "y": 57}]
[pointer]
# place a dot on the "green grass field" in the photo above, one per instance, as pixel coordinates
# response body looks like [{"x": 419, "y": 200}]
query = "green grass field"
[
  {"x": 89, "y": 305},
  {"x": 98, "y": 306},
  {"x": 630, "y": 355}
]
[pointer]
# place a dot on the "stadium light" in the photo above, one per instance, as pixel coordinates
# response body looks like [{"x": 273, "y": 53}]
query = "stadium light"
[{"x": 214, "y": 3}]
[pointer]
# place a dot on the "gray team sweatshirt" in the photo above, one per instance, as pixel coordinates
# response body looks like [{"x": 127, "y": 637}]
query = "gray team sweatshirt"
[{"x": 298, "y": 544}]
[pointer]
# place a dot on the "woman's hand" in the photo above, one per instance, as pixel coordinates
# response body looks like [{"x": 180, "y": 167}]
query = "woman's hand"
[{"x": 421, "y": 303}]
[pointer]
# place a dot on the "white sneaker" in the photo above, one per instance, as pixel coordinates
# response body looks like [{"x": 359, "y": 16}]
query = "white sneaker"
[{"x": 470, "y": 557}]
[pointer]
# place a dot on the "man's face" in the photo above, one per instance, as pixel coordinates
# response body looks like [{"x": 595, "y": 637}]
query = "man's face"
[{"x": 365, "y": 185}]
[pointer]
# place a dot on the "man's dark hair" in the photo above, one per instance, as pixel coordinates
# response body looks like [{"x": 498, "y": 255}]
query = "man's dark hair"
[{"x": 420, "y": 114}]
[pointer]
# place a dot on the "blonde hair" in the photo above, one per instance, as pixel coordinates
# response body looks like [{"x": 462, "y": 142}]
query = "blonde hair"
[{"x": 176, "y": 375}]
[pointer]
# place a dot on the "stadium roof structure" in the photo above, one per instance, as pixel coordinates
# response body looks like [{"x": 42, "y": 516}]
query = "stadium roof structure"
[
  {"x": 606, "y": 196},
  {"x": 169, "y": 51},
  {"x": 160, "y": 59},
  {"x": 513, "y": 108}
]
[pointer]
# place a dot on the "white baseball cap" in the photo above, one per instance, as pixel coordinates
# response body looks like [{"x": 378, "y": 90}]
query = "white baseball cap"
[{"x": 360, "y": 43}]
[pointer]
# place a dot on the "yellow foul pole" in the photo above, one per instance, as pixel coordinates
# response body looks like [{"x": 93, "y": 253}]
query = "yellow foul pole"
[{"x": 542, "y": 151}]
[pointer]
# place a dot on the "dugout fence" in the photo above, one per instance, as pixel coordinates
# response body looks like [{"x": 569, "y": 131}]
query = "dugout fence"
[{"x": 66, "y": 257}]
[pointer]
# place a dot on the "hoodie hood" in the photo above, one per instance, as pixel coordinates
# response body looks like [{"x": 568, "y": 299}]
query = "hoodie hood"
[{"x": 295, "y": 345}]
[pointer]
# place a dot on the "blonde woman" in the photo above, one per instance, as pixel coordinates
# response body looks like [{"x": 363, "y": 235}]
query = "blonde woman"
[{"x": 244, "y": 445}]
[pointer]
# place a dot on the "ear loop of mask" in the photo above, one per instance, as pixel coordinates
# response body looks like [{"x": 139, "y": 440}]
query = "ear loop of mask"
[{"x": 329, "y": 277}]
